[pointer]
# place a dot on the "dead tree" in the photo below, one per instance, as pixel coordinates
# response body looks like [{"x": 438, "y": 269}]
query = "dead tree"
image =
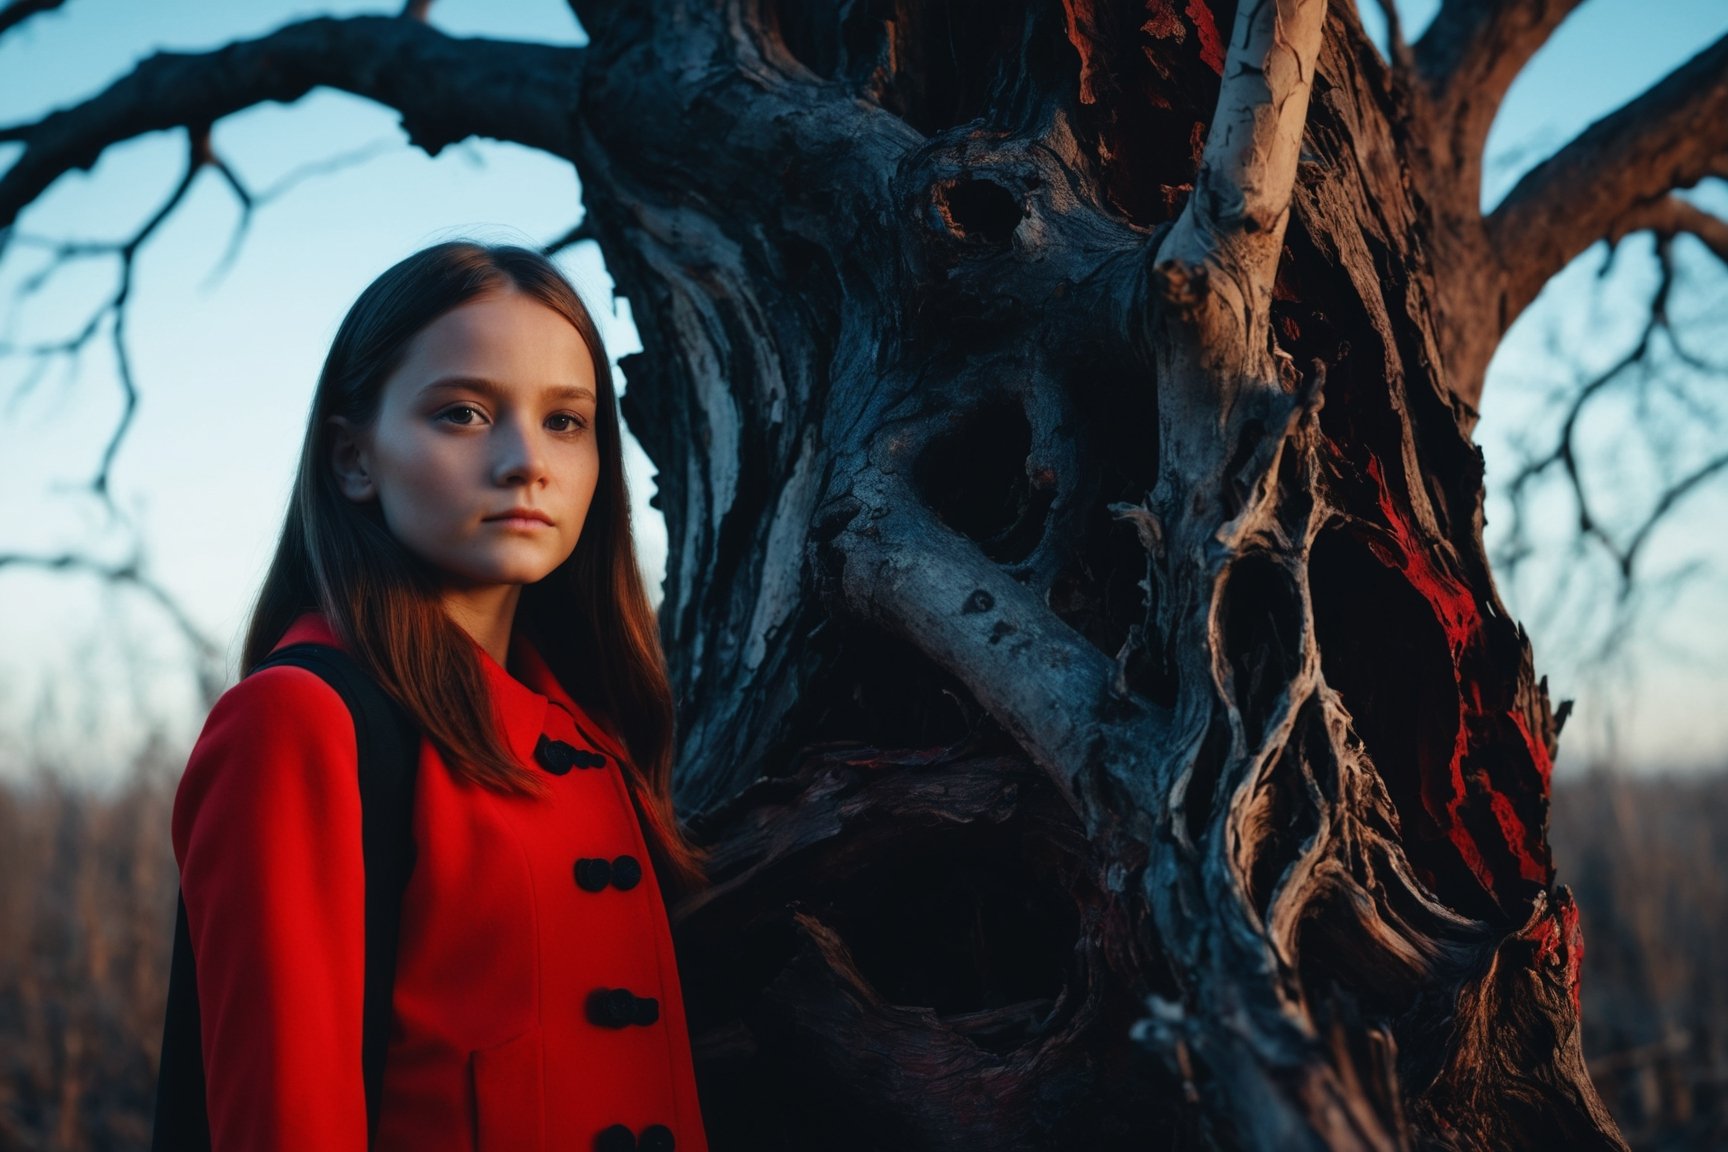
[{"x": 1093, "y": 686}]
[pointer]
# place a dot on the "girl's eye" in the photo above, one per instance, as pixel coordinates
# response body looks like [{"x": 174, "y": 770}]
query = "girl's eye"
[
  {"x": 461, "y": 414},
  {"x": 566, "y": 422}
]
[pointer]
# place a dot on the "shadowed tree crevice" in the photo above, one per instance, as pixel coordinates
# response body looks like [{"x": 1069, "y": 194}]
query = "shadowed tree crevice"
[
  {"x": 820, "y": 877},
  {"x": 975, "y": 478},
  {"x": 980, "y": 210},
  {"x": 1387, "y": 659},
  {"x": 1143, "y": 91}
]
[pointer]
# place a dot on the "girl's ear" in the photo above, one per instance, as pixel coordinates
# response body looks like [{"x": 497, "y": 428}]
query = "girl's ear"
[{"x": 348, "y": 459}]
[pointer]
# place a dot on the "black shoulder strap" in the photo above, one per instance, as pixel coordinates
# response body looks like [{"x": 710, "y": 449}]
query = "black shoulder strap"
[{"x": 388, "y": 741}]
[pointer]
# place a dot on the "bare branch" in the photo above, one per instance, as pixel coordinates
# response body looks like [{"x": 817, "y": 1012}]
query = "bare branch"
[
  {"x": 1470, "y": 55},
  {"x": 251, "y": 201},
  {"x": 64, "y": 252},
  {"x": 577, "y": 233},
  {"x": 446, "y": 89},
  {"x": 1398, "y": 48},
  {"x": 1212, "y": 274},
  {"x": 198, "y": 156},
  {"x": 1670, "y": 137},
  {"x": 1669, "y": 217},
  {"x": 1665, "y": 504},
  {"x": 19, "y": 11},
  {"x": 1564, "y": 454},
  {"x": 131, "y": 573},
  {"x": 1235, "y": 219}
]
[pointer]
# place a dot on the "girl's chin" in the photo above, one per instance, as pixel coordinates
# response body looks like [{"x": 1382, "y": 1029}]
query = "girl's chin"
[{"x": 478, "y": 579}]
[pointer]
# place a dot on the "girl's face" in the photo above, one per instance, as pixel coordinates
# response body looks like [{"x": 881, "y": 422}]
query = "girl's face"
[{"x": 490, "y": 415}]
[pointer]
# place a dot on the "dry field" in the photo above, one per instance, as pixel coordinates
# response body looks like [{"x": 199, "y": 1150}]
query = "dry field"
[
  {"x": 87, "y": 898},
  {"x": 1648, "y": 860}
]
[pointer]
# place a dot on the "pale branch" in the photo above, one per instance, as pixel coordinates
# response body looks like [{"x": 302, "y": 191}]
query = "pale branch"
[
  {"x": 446, "y": 89},
  {"x": 1213, "y": 271},
  {"x": 1469, "y": 56},
  {"x": 1249, "y": 162},
  {"x": 1052, "y": 690},
  {"x": 1670, "y": 137},
  {"x": 18, "y": 11},
  {"x": 131, "y": 573}
]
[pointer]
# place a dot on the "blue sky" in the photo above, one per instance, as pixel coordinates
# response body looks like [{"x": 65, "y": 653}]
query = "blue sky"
[{"x": 226, "y": 365}]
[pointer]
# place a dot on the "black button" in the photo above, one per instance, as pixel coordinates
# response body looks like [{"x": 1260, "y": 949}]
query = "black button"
[
  {"x": 620, "y": 1008},
  {"x": 616, "y": 1138},
  {"x": 558, "y": 757},
  {"x": 626, "y": 872},
  {"x": 593, "y": 873},
  {"x": 655, "y": 1138},
  {"x": 555, "y": 756},
  {"x": 611, "y": 1007}
]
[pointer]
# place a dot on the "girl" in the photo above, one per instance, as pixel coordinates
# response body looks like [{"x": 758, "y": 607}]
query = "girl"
[{"x": 460, "y": 527}]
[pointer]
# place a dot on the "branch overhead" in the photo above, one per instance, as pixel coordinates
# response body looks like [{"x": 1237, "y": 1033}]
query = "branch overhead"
[
  {"x": 1472, "y": 52},
  {"x": 1672, "y": 136},
  {"x": 446, "y": 89},
  {"x": 1669, "y": 217}
]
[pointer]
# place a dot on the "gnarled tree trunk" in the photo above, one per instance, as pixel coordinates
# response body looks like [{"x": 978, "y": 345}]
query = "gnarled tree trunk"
[{"x": 1092, "y": 677}]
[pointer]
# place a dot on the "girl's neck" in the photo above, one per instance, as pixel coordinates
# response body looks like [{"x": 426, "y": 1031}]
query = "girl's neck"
[{"x": 486, "y": 614}]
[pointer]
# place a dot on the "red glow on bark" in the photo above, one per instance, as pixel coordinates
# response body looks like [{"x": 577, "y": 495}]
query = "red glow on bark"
[
  {"x": 1575, "y": 950},
  {"x": 1444, "y": 803},
  {"x": 1538, "y": 752},
  {"x": 1561, "y": 936},
  {"x": 1517, "y": 837},
  {"x": 1455, "y": 609},
  {"x": 1211, "y": 44},
  {"x": 1454, "y": 604},
  {"x": 1446, "y": 796}
]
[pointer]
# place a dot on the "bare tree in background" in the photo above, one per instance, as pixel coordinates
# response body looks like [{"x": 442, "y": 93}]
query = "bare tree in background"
[{"x": 1092, "y": 681}]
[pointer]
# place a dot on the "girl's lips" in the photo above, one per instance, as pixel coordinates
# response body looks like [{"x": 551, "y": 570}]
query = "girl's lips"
[
  {"x": 524, "y": 523},
  {"x": 522, "y": 512}
]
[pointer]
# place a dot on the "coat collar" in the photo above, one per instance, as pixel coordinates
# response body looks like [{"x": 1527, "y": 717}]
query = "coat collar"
[{"x": 521, "y": 704}]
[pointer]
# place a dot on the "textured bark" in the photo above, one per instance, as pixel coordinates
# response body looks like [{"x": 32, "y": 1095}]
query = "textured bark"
[
  {"x": 978, "y": 463},
  {"x": 1092, "y": 684}
]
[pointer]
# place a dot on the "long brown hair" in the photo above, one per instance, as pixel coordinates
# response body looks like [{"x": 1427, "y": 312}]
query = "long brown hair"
[{"x": 590, "y": 618}]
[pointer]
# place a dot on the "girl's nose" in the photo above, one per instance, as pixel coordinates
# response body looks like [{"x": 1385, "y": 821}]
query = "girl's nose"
[{"x": 519, "y": 454}]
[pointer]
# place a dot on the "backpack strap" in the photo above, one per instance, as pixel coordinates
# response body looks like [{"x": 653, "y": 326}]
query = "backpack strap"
[
  {"x": 388, "y": 741},
  {"x": 182, "y": 1120}
]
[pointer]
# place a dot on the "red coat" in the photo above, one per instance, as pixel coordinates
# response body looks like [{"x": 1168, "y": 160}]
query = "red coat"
[{"x": 504, "y": 936}]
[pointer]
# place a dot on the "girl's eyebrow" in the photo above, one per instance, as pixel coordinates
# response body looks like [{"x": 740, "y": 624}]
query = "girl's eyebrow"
[{"x": 489, "y": 388}]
